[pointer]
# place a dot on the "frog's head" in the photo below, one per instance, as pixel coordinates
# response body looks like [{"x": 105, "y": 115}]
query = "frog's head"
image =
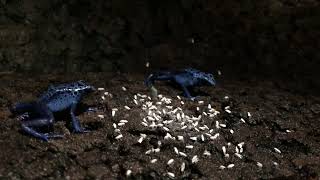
[
  {"x": 208, "y": 77},
  {"x": 82, "y": 86}
]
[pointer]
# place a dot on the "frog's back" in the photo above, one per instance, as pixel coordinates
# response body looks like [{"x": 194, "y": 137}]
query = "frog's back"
[{"x": 60, "y": 97}]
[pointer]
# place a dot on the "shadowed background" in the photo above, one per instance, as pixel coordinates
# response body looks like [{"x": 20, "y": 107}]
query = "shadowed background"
[
  {"x": 274, "y": 39},
  {"x": 267, "y": 95}
]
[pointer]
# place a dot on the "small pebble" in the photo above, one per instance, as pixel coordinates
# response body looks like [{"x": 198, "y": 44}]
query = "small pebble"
[
  {"x": 176, "y": 150},
  {"x": 206, "y": 153},
  {"x": 170, "y": 174},
  {"x": 170, "y": 161},
  {"x": 238, "y": 155},
  {"x": 194, "y": 159},
  {"x": 113, "y": 113},
  {"x": 224, "y": 149},
  {"x": 119, "y": 136},
  {"x": 259, "y": 165},
  {"x": 183, "y": 167},
  {"x": 144, "y": 124},
  {"x": 202, "y": 137},
  {"x": 121, "y": 124},
  {"x": 165, "y": 128},
  {"x": 241, "y": 144},
  {"x": 183, "y": 154},
  {"x": 193, "y": 138},
  {"x": 217, "y": 124},
  {"x": 140, "y": 140},
  {"x": 128, "y": 173},
  {"x": 180, "y": 138},
  {"x": 277, "y": 150},
  {"x": 135, "y": 101},
  {"x": 168, "y": 136},
  {"x": 154, "y": 161},
  {"x": 101, "y": 116},
  {"x": 148, "y": 151},
  {"x": 156, "y": 150},
  {"x": 215, "y": 136}
]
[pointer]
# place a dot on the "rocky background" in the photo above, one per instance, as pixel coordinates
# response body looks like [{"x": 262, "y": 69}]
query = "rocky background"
[{"x": 267, "y": 39}]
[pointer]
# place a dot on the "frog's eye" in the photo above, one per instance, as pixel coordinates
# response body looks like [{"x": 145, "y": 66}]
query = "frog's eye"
[{"x": 210, "y": 75}]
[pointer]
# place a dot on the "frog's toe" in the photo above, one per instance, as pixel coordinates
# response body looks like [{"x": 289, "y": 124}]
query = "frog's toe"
[
  {"x": 92, "y": 109},
  {"x": 82, "y": 130},
  {"x": 23, "y": 117},
  {"x": 85, "y": 131},
  {"x": 193, "y": 98},
  {"x": 52, "y": 136},
  {"x": 44, "y": 138}
]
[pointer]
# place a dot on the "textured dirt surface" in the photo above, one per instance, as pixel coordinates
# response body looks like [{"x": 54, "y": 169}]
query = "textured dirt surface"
[{"x": 279, "y": 119}]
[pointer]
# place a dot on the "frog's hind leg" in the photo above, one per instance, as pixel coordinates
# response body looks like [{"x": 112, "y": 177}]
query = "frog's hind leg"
[
  {"x": 29, "y": 125},
  {"x": 160, "y": 76},
  {"x": 150, "y": 80},
  {"x": 44, "y": 118},
  {"x": 21, "y": 108}
]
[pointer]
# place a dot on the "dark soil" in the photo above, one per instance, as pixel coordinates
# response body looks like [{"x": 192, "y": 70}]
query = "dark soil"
[{"x": 280, "y": 119}]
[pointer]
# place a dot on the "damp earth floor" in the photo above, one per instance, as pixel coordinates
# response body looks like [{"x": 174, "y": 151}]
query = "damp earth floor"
[{"x": 236, "y": 130}]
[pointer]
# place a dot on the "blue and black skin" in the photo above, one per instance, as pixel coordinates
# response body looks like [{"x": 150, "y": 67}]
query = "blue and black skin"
[
  {"x": 186, "y": 79},
  {"x": 40, "y": 114}
]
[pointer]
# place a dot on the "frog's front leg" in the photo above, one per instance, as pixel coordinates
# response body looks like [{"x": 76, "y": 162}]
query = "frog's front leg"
[
  {"x": 187, "y": 93},
  {"x": 75, "y": 121}
]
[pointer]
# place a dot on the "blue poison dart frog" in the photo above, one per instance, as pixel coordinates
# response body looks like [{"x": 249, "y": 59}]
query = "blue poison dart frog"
[
  {"x": 186, "y": 79},
  {"x": 39, "y": 114}
]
